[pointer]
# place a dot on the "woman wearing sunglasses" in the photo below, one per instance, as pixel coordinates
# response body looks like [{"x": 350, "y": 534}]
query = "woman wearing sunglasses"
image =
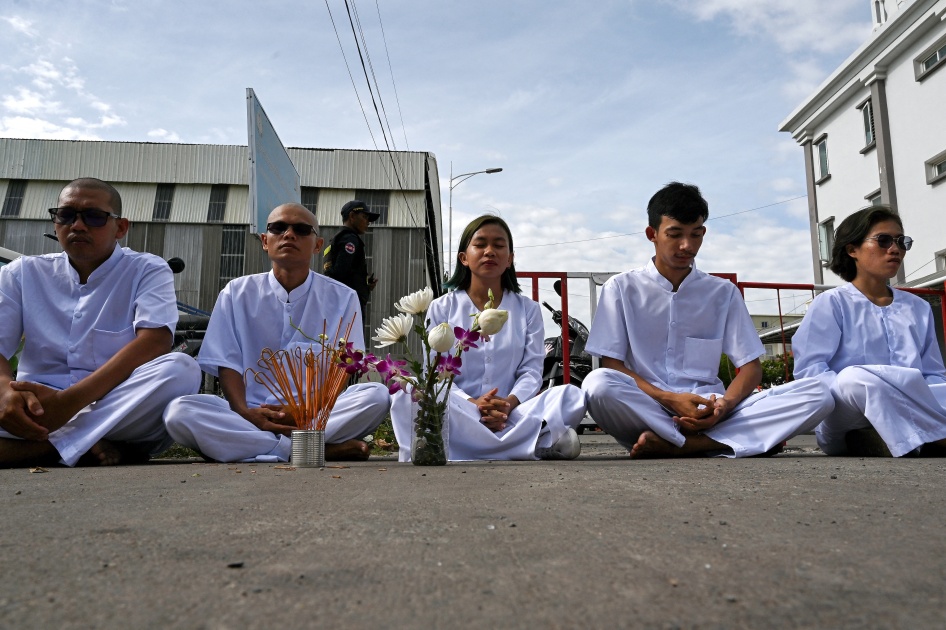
[{"x": 877, "y": 345}]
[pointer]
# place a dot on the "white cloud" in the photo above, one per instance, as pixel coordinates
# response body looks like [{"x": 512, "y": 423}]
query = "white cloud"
[
  {"x": 27, "y": 101},
  {"x": 21, "y": 25},
  {"x": 796, "y": 26},
  {"x": 163, "y": 135},
  {"x": 26, "y": 127}
]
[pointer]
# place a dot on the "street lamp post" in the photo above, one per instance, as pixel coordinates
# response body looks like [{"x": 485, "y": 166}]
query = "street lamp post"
[{"x": 459, "y": 179}]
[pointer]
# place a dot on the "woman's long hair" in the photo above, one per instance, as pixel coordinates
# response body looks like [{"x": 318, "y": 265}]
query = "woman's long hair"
[{"x": 461, "y": 274}]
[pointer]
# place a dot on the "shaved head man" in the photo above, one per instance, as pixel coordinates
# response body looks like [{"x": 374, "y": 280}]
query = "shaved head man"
[{"x": 270, "y": 310}]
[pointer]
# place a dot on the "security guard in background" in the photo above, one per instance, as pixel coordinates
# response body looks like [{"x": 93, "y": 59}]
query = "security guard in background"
[{"x": 345, "y": 256}]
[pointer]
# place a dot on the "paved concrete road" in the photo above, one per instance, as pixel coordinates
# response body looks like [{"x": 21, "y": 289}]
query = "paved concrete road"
[{"x": 799, "y": 540}]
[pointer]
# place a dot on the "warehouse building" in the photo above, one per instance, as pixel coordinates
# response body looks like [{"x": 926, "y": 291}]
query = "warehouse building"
[{"x": 191, "y": 201}]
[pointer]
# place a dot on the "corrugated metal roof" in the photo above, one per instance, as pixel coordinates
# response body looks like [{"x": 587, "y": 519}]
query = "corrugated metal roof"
[{"x": 116, "y": 162}]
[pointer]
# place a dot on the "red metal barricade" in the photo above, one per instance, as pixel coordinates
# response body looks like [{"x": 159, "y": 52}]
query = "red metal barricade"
[{"x": 534, "y": 276}]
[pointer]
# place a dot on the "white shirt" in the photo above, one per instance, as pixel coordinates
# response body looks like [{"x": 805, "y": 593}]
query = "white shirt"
[
  {"x": 255, "y": 312},
  {"x": 673, "y": 340},
  {"x": 72, "y": 329},
  {"x": 512, "y": 358},
  {"x": 844, "y": 328}
]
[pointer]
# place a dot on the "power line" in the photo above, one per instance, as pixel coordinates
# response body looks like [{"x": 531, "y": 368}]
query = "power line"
[
  {"x": 391, "y": 71},
  {"x": 361, "y": 55}
]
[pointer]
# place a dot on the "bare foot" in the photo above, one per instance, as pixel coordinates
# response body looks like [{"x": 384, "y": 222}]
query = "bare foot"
[
  {"x": 347, "y": 451},
  {"x": 649, "y": 444},
  {"x": 108, "y": 453},
  {"x": 105, "y": 453}
]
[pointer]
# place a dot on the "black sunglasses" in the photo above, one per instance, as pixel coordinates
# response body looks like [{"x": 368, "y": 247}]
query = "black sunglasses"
[
  {"x": 884, "y": 241},
  {"x": 91, "y": 217},
  {"x": 280, "y": 227}
]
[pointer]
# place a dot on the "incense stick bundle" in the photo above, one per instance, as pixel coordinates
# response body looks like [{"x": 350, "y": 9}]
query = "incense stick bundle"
[{"x": 306, "y": 382}]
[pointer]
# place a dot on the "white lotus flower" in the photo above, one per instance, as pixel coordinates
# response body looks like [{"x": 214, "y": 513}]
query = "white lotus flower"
[
  {"x": 416, "y": 302},
  {"x": 393, "y": 329},
  {"x": 492, "y": 320},
  {"x": 441, "y": 337}
]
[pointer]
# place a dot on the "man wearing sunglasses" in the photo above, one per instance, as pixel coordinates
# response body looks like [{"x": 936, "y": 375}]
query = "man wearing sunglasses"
[
  {"x": 345, "y": 259},
  {"x": 273, "y": 310},
  {"x": 98, "y": 319}
]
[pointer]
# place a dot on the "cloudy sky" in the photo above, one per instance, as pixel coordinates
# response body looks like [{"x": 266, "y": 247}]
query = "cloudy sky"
[{"x": 589, "y": 108}]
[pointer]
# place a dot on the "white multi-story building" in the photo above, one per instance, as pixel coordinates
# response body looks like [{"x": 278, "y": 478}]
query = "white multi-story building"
[
  {"x": 873, "y": 133},
  {"x": 191, "y": 201}
]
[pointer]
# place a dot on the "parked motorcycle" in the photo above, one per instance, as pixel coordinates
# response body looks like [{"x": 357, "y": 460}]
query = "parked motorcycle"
[
  {"x": 191, "y": 324},
  {"x": 579, "y": 361}
]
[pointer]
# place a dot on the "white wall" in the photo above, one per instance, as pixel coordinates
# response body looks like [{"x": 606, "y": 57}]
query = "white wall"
[{"x": 917, "y": 134}]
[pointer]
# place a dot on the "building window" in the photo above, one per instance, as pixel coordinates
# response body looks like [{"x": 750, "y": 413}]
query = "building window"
[
  {"x": 231, "y": 253},
  {"x": 377, "y": 201},
  {"x": 873, "y": 198},
  {"x": 934, "y": 60},
  {"x": 162, "y": 202},
  {"x": 929, "y": 60},
  {"x": 14, "y": 199},
  {"x": 217, "y": 209},
  {"x": 310, "y": 199},
  {"x": 940, "y": 258},
  {"x": 935, "y": 168},
  {"x": 880, "y": 13},
  {"x": 867, "y": 113},
  {"x": 764, "y": 324},
  {"x": 821, "y": 151},
  {"x": 826, "y": 239}
]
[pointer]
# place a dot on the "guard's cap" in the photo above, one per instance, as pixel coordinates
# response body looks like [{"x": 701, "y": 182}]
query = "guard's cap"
[{"x": 359, "y": 205}]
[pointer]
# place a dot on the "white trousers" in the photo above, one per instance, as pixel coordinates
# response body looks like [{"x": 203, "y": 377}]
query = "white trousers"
[
  {"x": 756, "y": 425},
  {"x": 206, "y": 423},
  {"x": 538, "y": 422},
  {"x": 905, "y": 410},
  {"x": 131, "y": 412}
]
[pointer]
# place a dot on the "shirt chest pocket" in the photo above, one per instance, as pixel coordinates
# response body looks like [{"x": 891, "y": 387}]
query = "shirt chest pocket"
[
  {"x": 701, "y": 357},
  {"x": 107, "y": 343}
]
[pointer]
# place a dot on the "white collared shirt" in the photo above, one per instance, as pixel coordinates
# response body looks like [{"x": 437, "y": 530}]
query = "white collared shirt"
[
  {"x": 843, "y": 328},
  {"x": 255, "y": 312},
  {"x": 673, "y": 339},
  {"x": 72, "y": 329},
  {"x": 511, "y": 360}
]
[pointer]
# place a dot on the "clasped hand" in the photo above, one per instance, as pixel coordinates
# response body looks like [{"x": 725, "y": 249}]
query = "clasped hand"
[
  {"x": 270, "y": 418},
  {"x": 31, "y": 411},
  {"x": 695, "y": 414},
  {"x": 494, "y": 410}
]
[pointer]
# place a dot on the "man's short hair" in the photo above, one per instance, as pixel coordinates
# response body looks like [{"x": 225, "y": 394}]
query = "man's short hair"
[
  {"x": 115, "y": 199},
  {"x": 681, "y": 202}
]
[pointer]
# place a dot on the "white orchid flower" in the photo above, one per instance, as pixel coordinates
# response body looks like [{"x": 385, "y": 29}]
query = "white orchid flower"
[
  {"x": 492, "y": 320},
  {"x": 393, "y": 329},
  {"x": 441, "y": 337},
  {"x": 416, "y": 302}
]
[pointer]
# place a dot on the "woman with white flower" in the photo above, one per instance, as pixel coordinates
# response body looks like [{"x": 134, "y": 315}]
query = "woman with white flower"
[{"x": 495, "y": 410}]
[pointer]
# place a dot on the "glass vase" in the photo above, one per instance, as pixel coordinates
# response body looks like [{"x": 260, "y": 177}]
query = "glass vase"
[{"x": 430, "y": 439}]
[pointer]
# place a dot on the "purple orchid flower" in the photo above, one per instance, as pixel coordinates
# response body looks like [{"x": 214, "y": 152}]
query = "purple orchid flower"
[
  {"x": 466, "y": 339},
  {"x": 391, "y": 370},
  {"x": 353, "y": 361},
  {"x": 448, "y": 366}
]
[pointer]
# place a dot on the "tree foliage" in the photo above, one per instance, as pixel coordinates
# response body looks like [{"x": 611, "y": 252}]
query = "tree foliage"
[{"x": 773, "y": 370}]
